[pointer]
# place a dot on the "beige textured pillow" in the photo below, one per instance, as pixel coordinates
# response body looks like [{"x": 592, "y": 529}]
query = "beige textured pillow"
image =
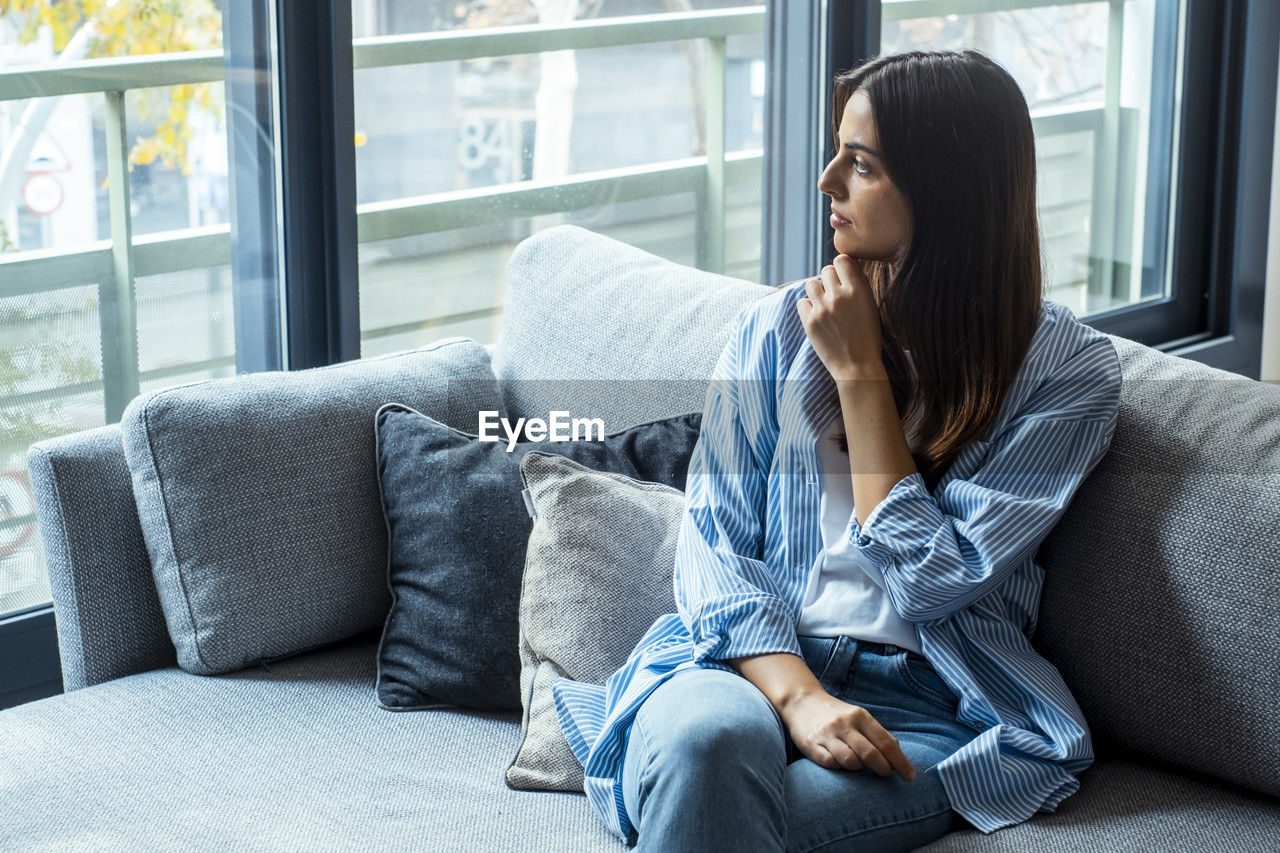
[{"x": 597, "y": 574}]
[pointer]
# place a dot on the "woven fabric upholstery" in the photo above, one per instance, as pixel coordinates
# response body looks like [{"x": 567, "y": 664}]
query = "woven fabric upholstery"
[
  {"x": 105, "y": 605},
  {"x": 457, "y": 530},
  {"x": 1159, "y": 603},
  {"x": 1127, "y": 806},
  {"x": 294, "y": 755},
  {"x": 258, "y": 497},
  {"x": 597, "y": 574},
  {"x": 1157, "y": 609},
  {"x": 594, "y": 325}
]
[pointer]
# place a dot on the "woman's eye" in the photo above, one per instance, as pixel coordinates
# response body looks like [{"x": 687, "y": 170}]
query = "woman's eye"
[{"x": 858, "y": 167}]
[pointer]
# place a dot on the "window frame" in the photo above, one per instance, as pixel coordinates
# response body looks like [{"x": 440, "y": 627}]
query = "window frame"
[
  {"x": 316, "y": 145},
  {"x": 1223, "y": 170}
]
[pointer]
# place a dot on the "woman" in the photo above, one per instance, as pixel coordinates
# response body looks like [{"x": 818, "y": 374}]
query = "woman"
[{"x": 850, "y": 665}]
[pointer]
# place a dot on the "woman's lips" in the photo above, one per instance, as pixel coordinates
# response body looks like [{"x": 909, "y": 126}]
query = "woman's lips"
[{"x": 837, "y": 220}]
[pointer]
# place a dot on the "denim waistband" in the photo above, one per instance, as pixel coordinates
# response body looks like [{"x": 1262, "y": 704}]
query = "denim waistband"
[
  {"x": 857, "y": 644},
  {"x": 819, "y": 651}
]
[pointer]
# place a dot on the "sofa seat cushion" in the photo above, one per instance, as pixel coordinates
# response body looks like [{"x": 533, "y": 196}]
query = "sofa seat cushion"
[
  {"x": 291, "y": 755},
  {"x": 295, "y": 755},
  {"x": 1131, "y": 805}
]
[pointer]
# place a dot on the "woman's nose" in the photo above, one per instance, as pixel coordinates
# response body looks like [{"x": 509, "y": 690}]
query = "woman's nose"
[{"x": 826, "y": 184}]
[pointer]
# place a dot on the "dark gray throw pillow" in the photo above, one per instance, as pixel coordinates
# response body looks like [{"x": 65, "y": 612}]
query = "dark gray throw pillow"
[{"x": 457, "y": 530}]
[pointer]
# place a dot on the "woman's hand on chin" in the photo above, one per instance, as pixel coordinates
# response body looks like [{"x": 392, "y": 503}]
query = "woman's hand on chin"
[{"x": 841, "y": 318}]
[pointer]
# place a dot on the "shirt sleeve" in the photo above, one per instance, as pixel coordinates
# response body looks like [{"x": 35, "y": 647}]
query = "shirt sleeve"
[
  {"x": 725, "y": 593},
  {"x": 934, "y": 555}
]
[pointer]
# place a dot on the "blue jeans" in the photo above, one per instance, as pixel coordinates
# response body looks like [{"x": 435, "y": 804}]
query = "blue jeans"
[{"x": 709, "y": 764}]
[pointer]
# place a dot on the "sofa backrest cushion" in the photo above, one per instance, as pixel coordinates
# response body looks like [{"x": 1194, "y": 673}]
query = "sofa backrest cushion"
[
  {"x": 1162, "y": 580},
  {"x": 601, "y": 328},
  {"x": 258, "y": 499}
]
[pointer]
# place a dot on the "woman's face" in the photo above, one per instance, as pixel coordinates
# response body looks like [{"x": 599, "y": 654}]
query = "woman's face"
[{"x": 878, "y": 217}]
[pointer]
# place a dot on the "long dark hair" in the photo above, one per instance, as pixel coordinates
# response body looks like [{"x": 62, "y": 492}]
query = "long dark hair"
[{"x": 956, "y": 139}]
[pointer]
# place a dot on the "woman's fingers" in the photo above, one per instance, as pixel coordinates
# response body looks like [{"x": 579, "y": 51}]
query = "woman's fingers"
[
  {"x": 867, "y": 744},
  {"x": 844, "y": 757},
  {"x": 889, "y": 756},
  {"x": 838, "y": 735},
  {"x": 823, "y": 757},
  {"x": 870, "y": 754},
  {"x": 858, "y": 752}
]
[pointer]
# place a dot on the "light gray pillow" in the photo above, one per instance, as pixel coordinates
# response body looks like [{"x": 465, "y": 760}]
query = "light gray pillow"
[
  {"x": 598, "y": 572},
  {"x": 258, "y": 497}
]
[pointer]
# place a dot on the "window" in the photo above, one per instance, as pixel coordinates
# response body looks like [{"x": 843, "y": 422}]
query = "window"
[
  {"x": 1098, "y": 91},
  {"x": 115, "y": 248},
  {"x": 1154, "y": 127},
  {"x": 468, "y": 134},
  {"x": 478, "y": 124},
  {"x": 115, "y": 243}
]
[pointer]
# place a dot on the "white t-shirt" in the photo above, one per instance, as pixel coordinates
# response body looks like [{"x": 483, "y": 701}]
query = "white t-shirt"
[{"x": 841, "y": 598}]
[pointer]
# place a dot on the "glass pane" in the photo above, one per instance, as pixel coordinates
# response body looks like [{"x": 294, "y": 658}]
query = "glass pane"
[
  {"x": 1088, "y": 71},
  {"x": 66, "y": 366},
  {"x": 457, "y": 160}
]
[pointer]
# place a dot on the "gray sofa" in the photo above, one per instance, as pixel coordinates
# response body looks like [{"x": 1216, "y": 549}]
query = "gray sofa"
[{"x": 1159, "y": 605}]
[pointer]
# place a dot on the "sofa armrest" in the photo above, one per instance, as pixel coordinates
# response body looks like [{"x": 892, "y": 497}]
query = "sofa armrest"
[{"x": 104, "y": 598}]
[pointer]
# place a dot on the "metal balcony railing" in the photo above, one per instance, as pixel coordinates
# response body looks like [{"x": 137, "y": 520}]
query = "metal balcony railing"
[{"x": 117, "y": 262}]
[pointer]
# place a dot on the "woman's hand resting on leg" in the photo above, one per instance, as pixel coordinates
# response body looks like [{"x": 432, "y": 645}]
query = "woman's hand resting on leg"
[
  {"x": 837, "y": 735},
  {"x": 831, "y": 733}
]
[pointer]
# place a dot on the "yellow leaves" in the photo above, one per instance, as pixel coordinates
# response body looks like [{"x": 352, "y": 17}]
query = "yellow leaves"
[
  {"x": 128, "y": 28},
  {"x": 173, "y": 109},
  {"x": 212, "y": 28},
  {"x": 133, "y": 28},
  {"x": 145, "y": 152},
  {"x": 204, "y": 99}
]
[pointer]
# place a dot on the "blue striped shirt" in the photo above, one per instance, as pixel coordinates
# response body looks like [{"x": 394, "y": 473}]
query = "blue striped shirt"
[{"x": 958, "y": 562}]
